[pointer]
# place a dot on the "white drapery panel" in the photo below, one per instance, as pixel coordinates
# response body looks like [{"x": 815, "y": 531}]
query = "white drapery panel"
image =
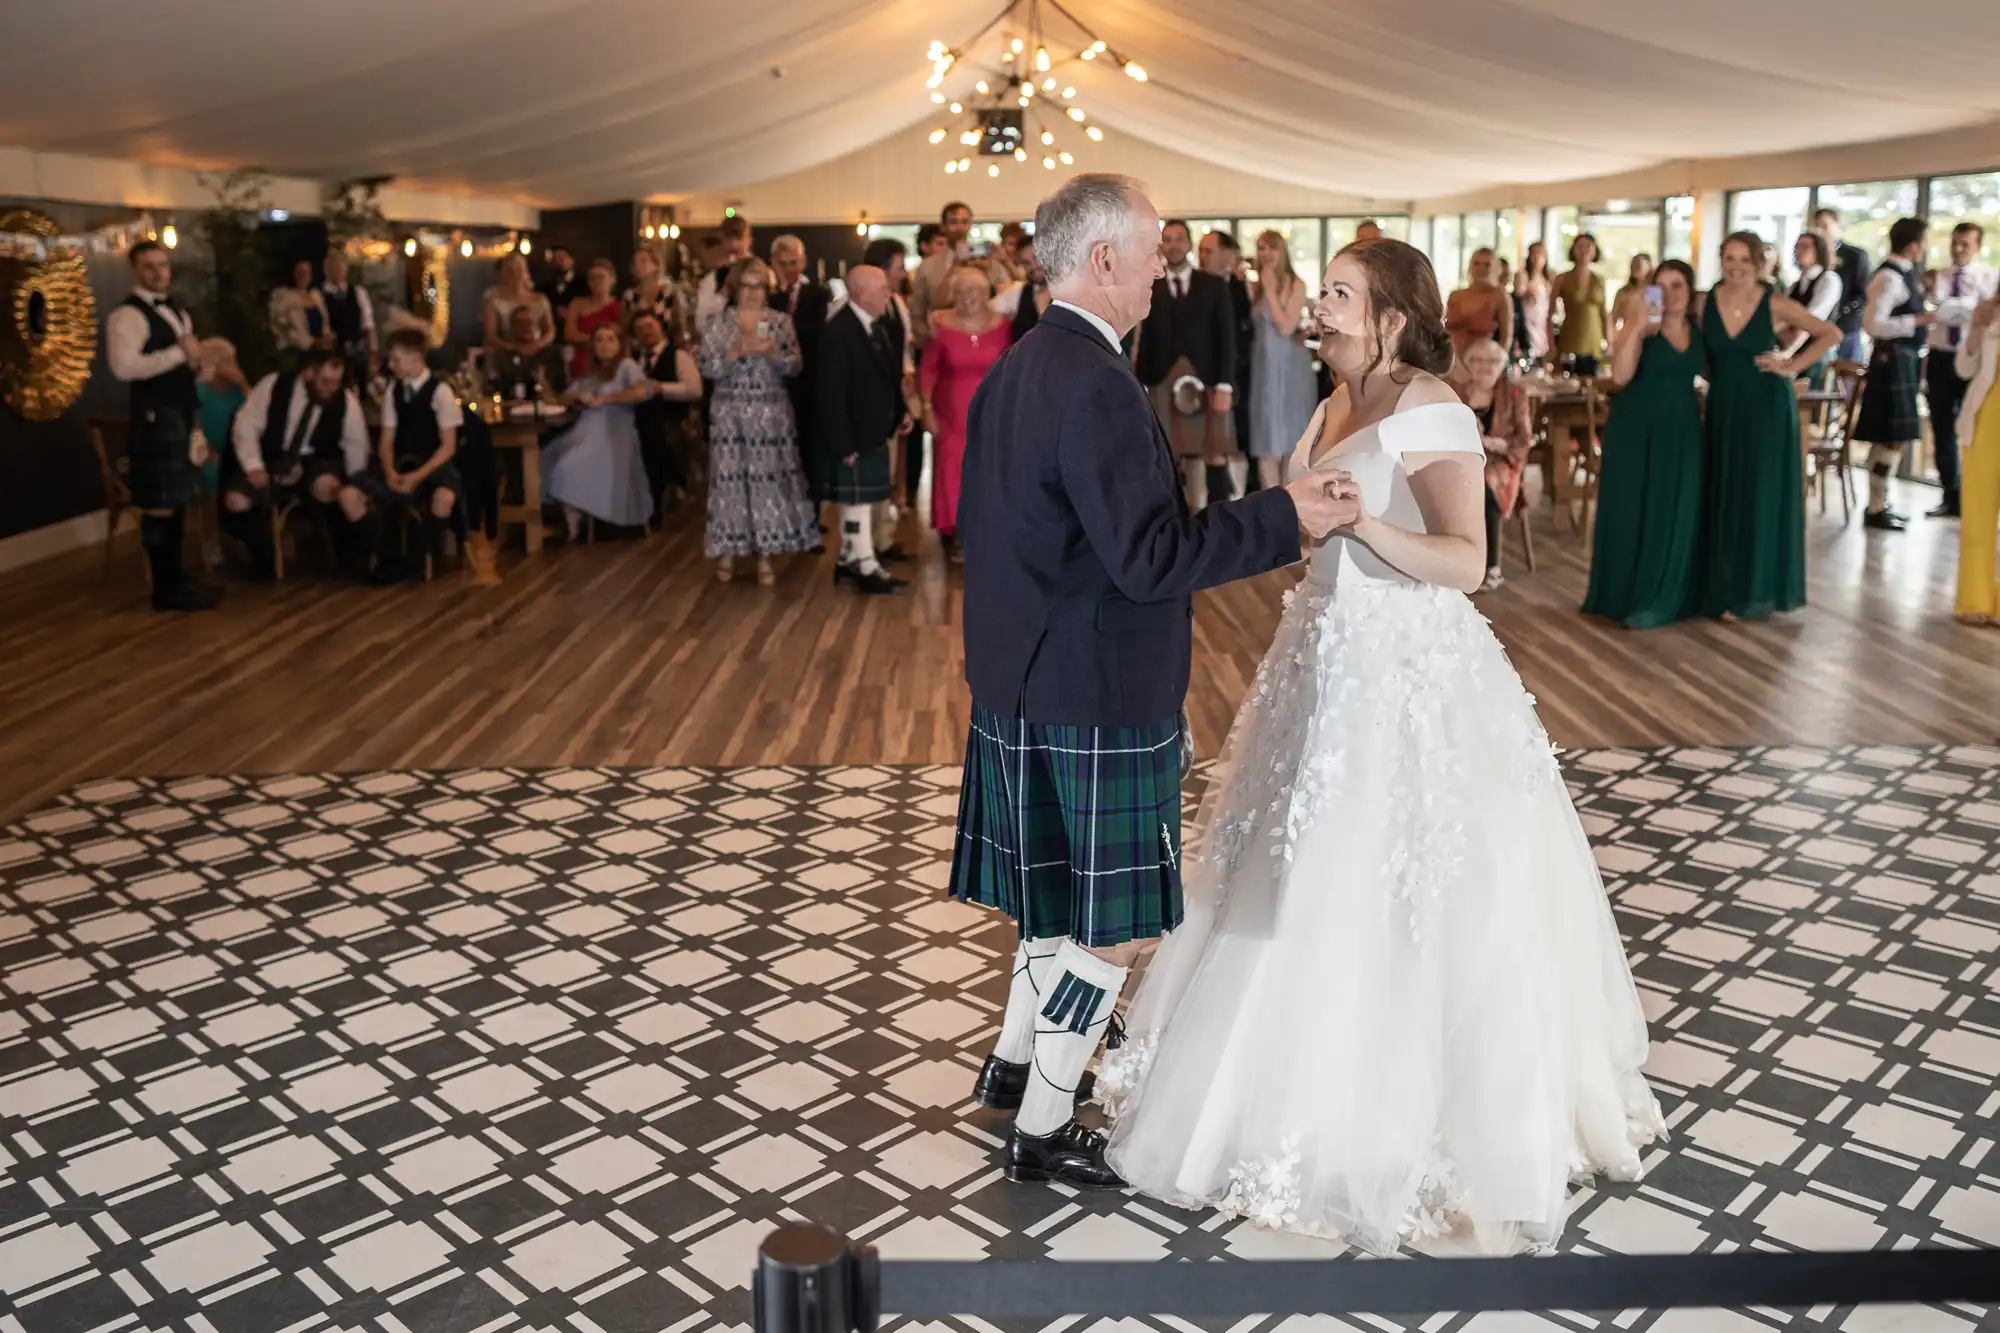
[{"x": 575, "y": 101}]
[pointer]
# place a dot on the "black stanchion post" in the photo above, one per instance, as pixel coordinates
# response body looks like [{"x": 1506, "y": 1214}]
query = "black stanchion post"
[{"x": 811, "y": 1279}]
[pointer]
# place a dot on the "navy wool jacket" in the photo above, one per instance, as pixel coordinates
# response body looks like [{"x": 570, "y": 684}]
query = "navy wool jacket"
[{"x": 1081, "y": 558}]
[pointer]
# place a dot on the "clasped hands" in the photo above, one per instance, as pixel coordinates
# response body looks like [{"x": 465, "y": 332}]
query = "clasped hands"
[{"x": 1326, "y": 501}]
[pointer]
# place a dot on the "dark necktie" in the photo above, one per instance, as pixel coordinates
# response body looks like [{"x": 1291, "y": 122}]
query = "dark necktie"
[{"x": 296, "y": 445}]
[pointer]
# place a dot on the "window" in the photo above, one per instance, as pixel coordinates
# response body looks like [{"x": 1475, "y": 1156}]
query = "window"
[
  {"x": 1559, "y": 228},
  {"x": 1866, "y": 211},
  {"x": 1420, "y": 233},
  {"x": 1301, "y": 240},
  {"x": 1477, "y": 231},
  {"x": 1503, "y": 236},
  {"x": 1956, "y": 199},
  {"x": 1339, "y": 231},
  {"x": 1679, "y": 240},
  {"x": 1200, "y": 227},
  {"x": 906, "y": 232},
  {"x": 1447, "y": 250},
  {"x": 1776, "y": 215},
  {"x": 1622, "y": 233}
]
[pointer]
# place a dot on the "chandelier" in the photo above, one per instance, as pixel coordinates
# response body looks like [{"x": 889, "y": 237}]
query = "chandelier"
[{"x": 1019, "y": 102}]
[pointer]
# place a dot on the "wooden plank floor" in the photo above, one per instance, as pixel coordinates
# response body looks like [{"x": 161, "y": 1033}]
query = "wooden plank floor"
[{"x": 630, "y": 653}]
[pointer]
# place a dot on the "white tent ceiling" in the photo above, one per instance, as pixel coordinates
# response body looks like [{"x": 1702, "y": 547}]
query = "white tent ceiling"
[{"x": 565, "y": 102}]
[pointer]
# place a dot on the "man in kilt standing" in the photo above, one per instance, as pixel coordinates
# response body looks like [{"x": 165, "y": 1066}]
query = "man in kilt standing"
[
  {"x": 858, "y": 408},
  {"x": 149, "y": 343},
  {"x": 1896, "y": 319},
  {"x": 1080, "y": 559}
]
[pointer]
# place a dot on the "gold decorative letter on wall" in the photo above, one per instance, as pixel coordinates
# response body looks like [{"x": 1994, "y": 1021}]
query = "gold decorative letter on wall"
[{"x": 48, "y": 319}]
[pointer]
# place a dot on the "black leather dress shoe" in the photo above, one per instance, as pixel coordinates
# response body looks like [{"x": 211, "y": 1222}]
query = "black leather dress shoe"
[
  {"x": 1072, "y": 1156},
  {"x": 1885, "y": 520},
  {"x": 878, "y": 583},
  {"x": 1949, "y": 509},
  {"x": 894, "y": 554},
  {"x": 1002, "y": 1084}
]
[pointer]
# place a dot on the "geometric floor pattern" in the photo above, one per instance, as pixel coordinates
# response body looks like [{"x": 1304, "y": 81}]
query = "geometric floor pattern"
[{"x": 496, "y": 1050}]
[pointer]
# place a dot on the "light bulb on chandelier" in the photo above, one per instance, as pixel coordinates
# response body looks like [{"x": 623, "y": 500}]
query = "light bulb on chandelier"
[
  {"x": 1017, "y": 46},
  {"x": 1020, "y": 155},
  {"x": 1042, "y": 59},
  {"x": 993, "y": 169},
  {"x": 1076, "y": 114},
  {"x": 1049, "y": 162},
  {"x": 1048, "y": 138},
  {"x": 957, "y": 107},
  {"x": 1066, "y": 159},
  {"x": 1133, "y": 72},
  {"x": 983, "y": 87},
  {"x": 1096, "y": 135},
  {"x": 937, "y": 136}
]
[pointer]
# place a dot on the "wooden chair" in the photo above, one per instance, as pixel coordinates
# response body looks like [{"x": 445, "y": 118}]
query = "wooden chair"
[
  {"x": 1829, "y": 436},
  {"x": 107, "y": 439},
  {"x": 1590, "y": 458}
]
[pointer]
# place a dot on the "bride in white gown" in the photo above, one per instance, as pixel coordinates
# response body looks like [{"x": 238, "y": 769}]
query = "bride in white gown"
[{"x": 1398, "y": 1011}]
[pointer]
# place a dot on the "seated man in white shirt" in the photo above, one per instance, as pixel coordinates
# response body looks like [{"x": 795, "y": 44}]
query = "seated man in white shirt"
[
  {"x": 298, "y": 437},
  {"x": 420, "y": 426}
]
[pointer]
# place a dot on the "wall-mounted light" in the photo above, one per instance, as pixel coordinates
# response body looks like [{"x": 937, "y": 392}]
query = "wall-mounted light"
[
  {"x": 169, "y": 237},
  {"x": 527, "y": 246},
  {"x": 647, "y": 231},
  {"x": 673, "y": 231},
  {"x": 465, "y": 248},
  {"x": 410, "y": 247}
]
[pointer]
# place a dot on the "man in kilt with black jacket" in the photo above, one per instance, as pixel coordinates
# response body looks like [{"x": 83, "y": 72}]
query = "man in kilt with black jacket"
[{"x": 1080, "y": 561}]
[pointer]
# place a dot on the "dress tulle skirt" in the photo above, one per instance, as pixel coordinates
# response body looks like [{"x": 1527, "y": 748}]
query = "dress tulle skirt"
[{"x": 1398, "y": 1012}]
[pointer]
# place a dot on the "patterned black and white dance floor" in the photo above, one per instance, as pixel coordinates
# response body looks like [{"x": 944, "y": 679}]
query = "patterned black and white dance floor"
[{"x": 444, "y": 1052}]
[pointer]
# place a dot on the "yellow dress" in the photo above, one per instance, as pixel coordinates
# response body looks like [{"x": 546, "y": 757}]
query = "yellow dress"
[
  {"x": 1582, "y": 331},
  {"x": 1979, "y": 514}
]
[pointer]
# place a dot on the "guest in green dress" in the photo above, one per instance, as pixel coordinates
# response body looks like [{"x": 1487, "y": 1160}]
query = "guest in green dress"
[
  {"x": 1642, "y": 567},
  {"x": 1753, "y": 551}
]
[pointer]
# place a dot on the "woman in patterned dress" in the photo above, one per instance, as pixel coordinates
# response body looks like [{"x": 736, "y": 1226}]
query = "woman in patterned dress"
[{"x": 757, "y": 499}]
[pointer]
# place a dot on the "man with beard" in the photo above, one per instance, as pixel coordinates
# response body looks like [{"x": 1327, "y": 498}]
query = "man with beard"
[{"x": 299, "y": 439}]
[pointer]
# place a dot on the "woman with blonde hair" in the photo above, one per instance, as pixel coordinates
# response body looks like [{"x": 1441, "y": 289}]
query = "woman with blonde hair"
[
  {"x": 512, "y": 290},
  {"x": 1505, "y": 432},
  {"x": 1283, "y": 388},
  {"x": 757, "y": 499},
  {"x": 599, "y": 306},
  {"x": 966, "y": 340}
]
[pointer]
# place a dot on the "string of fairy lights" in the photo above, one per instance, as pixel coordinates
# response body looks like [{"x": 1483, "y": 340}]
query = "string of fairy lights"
[{"x": 1016, "y": 105}]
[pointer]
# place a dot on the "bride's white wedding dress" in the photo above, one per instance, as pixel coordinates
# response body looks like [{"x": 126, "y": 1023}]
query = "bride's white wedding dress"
[{"x": 1398, "y": 1009}]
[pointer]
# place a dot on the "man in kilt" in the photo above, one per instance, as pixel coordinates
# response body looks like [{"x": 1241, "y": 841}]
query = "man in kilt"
[
  {"x": 1897, "y": 321},
  {"x": 1080, "y": 560},
  {"x": 858, "y": 408},
  {"x": 149, "y": 343}
]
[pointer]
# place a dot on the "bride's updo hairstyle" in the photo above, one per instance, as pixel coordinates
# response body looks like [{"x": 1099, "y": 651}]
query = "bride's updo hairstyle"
[{"x": 1401, "y": 281}]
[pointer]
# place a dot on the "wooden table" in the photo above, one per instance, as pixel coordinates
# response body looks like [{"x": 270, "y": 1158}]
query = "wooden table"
[
  {"x": 1564, "y": 404},
  {"x": 523, "y": 433}
]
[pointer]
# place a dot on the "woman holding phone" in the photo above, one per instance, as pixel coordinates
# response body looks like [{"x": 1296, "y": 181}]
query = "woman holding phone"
[{"x": 1642, "y": 567}]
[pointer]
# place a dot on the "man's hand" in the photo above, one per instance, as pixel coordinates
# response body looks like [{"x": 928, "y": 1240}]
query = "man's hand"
[
  {"x": 191, "y": 348},
  {"x": 1325, "y": 501},
  {"x": 402, "y": 483},
  {"x": 1924, "y": 320},
  {"x": 260, "y": 480}
]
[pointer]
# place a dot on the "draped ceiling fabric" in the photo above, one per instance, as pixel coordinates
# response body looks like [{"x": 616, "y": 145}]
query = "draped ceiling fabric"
[{"x": 566, "y": 102}]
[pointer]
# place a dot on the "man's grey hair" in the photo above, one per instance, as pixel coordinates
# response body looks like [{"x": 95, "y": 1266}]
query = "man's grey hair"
[
  {"x": 1084, "y": 210},
  {"x": 788, "y": 244}
]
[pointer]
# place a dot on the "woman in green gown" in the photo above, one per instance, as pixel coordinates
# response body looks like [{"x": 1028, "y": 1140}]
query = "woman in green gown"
[
  {"x": 1642, "y": 566},
  {"x": 1753, "y": 520}
]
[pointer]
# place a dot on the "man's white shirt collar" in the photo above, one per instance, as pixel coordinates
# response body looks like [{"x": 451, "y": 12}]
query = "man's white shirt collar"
[{"x": 1097, "y": 322}]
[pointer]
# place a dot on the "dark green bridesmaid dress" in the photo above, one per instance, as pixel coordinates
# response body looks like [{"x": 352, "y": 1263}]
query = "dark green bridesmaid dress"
[
  {"x": 1753, "y": 547},
  {"x": 1643, "y": 559}
]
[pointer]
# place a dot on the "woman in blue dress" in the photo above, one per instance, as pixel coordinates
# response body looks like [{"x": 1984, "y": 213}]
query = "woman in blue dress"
[
  {"x": 757, "y": 499},
  {"x": 1283, "y": 391},
  {"x": 595, "y": 466}
]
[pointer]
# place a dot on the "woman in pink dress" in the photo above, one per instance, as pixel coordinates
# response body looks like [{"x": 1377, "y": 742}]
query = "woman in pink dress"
[{"x": 965, "y": 341}]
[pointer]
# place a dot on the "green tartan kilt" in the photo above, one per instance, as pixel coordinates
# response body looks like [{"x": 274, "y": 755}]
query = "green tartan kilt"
[
  {"x": 1072, "y": 830},
  {"x": 865, "y": 481}
]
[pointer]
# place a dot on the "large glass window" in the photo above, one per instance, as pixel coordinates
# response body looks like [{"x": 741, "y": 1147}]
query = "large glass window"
[
  {"x": 1679, "y": 238},
  {"x": 1559, "y": 227},
  {"x": 1301, "y": 241},
  {"x": 1420, "y": 233},
  {"x": 906, "y": 232},
  {"x": 1447, "y": 249},
  {"x": 1504, "y": 240},
  {"x": 1477, "y": 231},
  {"x": 1200, "y": 227},
  {"x": 1867, "y": 209},
  {"x": 1776, "y": 215},
  {"x": 1956, "y": 199},
  {"x": 1621, "y": 234}
]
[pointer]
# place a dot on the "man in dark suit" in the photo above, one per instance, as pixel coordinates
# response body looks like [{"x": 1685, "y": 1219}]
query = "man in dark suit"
[
  {"x": 858, "y": 401},
  {"x": 1190, "y": 334},
  {"x": 1081, "y": 558},
  {"x": 1221, "y": 255},
  {"x": 670, "y": 368},
  {"x": 1851, "y": 263},
  {"x": 794, "y": 294},
  {"x": 563, "y": 284}
]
